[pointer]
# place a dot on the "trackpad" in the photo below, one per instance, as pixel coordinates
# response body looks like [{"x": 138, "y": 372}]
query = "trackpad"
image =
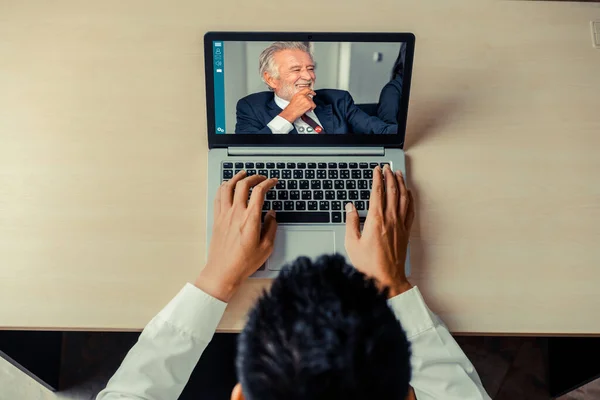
[{"x": 292, "y": 243}]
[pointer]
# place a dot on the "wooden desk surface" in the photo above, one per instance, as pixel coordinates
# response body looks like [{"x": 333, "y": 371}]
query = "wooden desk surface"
[{"x": 103, "y": 153}]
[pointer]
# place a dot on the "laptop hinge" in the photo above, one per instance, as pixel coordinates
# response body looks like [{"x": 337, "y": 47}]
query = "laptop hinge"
[{"x": 306, "y": 151}]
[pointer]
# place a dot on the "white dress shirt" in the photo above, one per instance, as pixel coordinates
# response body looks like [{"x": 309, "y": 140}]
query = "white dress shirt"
[
  {"x": 161, "y": 362},
  {"x": 282, "y": 126}
]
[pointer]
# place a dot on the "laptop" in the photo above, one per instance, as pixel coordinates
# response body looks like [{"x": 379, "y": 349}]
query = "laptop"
[{"x": 318, "y": 111}]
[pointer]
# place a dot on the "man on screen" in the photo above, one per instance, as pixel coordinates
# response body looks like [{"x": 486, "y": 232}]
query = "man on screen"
[{"x": 292, "y": 106}]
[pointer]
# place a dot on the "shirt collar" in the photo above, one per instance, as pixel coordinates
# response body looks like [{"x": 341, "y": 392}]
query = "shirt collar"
[{"x": 281, "y": 103}]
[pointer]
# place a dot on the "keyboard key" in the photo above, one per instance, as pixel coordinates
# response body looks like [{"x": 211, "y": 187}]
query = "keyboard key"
[
  {"x": 360, "y": 205},
  {"x": 306, "y": 195},
  {"x": 336, "y": 205},
  {"x": 332, "y": 165},
  {"x": 280, "y": 165},
  {"x": 343, "y": 165},
  {"x": 281, "y": 184},
  {"x": 332, "y": 174},
  {"x": 292, "y": 184},
  {"x": 271, "y": 195},
  {"x": 263, "y": 172},
  {"x": 356, "y": 174},
  {"x": 300, "y": 205},
  {"x": 370, "y": 184},
  {"x": 298, "y": 174},
  {"x": 363, "y": 165},
  {"x": 302, "y": 217},
  {"x": 341, "y": 195},
  {"x": 227, "y": 165},
  {"x": 353, "y": 194},
  {"x": 336, "y": 217},
  {"x": 345, "y": 174},
  {"x": 312, "y": 165},
  {"x": 288, "y": 205},
  {"x": 274, "y": 173},
  {"x": 270, "y": 165},
  {"x": 328, "y": 184},
  {"x": 251, "y": 172},
  {"x": 315, "y": 184},
  {"x": 383, "y": 164},
  {"x": 294, "y": 195},
  {"x": 363, "y": 184},
  {"x": 304, "y": 184},
  {"x": 291, "y": 165},
  {"x": 301, "y": 165},
  {"x": 260, "y": 165},
  {"x": 338, "y": 184},
  {"x": 353, "y": 165},
  {"x": 365, "y": 195},
  {"x": 368, "y": 204},
  {"x": 309, "y": 174},
  {"x": 324, "y": 205},
  {"x": 239, "y": 165},
  {"x": 249, "y": 165},
  {"x": 227, "y": 174},
  {"x": 277, "y": 205},
  {"x": 373, "y": 165},
  {"x": 318, "y": 195},
  {"x": 266, "y": 205},
  {"x": 330, "y": 195},
  {"x": 312, "y": 206},
  {"x": 322, "y": 165},
  {"x": 286, "y": 174},
  {"x": 367, "y": 174},
  {"x": 236, "y": 171},
  {"x": 321, "y": 174},
  {"x": 282, "y": 195},
  {"x": 350, "y": 184}
]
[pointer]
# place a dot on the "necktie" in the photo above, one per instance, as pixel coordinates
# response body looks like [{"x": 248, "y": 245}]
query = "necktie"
[{"x": 313, "y": 124}]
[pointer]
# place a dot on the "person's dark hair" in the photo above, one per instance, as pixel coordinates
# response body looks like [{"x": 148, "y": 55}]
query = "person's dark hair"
[{"x": 323, "y": 331}]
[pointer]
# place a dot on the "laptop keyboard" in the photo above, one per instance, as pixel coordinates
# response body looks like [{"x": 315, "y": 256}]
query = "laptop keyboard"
[{"x": 311, "y": 192}]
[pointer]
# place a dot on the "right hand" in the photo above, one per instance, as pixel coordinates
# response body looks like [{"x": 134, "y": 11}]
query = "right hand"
[
  {"x": 380, "y": 250},
  {"x": 300, "y": 104}
]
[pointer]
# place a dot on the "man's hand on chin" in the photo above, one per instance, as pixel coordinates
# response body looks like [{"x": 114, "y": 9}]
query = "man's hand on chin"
[
  {"x": 239, "y": 244},
  {"x": 300, "y": 104}
]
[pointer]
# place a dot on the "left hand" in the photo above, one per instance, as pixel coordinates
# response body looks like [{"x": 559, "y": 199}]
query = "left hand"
[{"x": 239, "y": 246}]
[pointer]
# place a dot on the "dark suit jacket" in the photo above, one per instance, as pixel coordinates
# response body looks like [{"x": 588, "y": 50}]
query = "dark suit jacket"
[{"x": 335, "y": 109}]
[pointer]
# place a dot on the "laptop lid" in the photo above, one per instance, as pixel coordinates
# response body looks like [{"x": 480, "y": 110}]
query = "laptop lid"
[{"x": 307, "y": 89}]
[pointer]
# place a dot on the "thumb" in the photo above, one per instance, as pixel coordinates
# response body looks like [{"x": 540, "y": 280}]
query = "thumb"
[
  {"x": 269, "y": 230},
  {"x": 352, "y": 223}
]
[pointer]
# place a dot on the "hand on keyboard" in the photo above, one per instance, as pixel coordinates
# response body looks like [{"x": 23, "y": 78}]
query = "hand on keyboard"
[
  {"x": 380, "y": 250},
  {"x": 239, "y": 246}
]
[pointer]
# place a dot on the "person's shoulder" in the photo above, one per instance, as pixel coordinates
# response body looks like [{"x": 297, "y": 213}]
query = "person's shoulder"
[
  {"x": 257, "y": 98},
  {"x": 331, "y": 95}
]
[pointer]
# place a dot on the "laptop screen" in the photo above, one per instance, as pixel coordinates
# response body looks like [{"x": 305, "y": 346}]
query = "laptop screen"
[{"x": 308, "y": 88}]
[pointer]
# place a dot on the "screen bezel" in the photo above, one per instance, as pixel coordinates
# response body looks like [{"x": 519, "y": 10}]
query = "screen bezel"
[{"x": 227, "y": 140}]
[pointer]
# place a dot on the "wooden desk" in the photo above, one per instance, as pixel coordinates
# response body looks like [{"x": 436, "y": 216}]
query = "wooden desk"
[{"x": 103, "y": 152}]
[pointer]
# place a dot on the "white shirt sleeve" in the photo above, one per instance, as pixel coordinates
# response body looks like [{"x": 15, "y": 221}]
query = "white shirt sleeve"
[
  {"x": 280, "y": 125},
  {"x": 440, "y": 369},
  {"x": 161, "y": 362}
]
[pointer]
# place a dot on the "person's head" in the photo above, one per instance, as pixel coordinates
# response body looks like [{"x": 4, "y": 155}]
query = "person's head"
[
  {"x": 323, "y": 331},
  {"x": 287, "y": 68}
]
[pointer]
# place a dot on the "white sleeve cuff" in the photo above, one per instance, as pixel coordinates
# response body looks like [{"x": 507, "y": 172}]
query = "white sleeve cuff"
[
  {"x": 194, "y": 312},
  {"x": 412, "y": 312},
  {"x": 280, "y": 125}
]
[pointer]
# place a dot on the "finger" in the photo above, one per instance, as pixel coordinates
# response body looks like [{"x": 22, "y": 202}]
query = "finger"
[
  {"x": 376, "y": 200},
  {"x": 403, "y": 206},
  {"x": 228, "y": 188},
  {"x": 391, "y": 193},
  {"x": 259, "y": 192},
  {"x": 242, "y": 189},
  {"x": 410, "y": 214},
  {"x": 312, "y": 106},
  {"x": 269, "y": 231},
  {"x": 352, "y": 223}
]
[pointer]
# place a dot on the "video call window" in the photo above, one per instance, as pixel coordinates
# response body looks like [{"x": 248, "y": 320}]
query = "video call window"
[{"x": 307, "y": 87}]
